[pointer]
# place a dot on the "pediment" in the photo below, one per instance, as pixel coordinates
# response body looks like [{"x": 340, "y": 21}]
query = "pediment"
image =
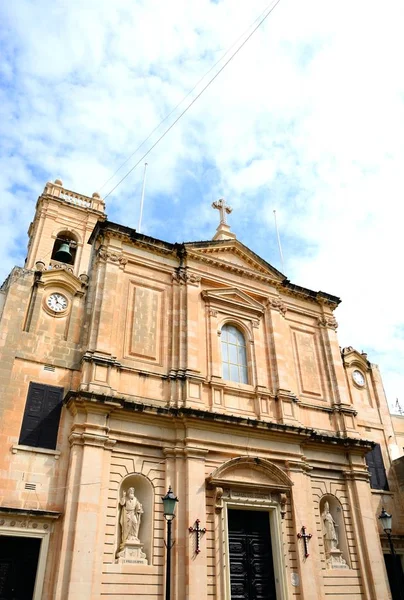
[
  {"x": 353, "y": 358},
  {"x": 247, "y": 472},
  {"x": 233, "y": 298},
  {"x": 233, "y": 255},
  {"x": 63, "y": 278}
]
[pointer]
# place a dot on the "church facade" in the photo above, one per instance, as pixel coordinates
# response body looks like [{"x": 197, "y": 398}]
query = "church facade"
[{"x": 130, "y": 365}]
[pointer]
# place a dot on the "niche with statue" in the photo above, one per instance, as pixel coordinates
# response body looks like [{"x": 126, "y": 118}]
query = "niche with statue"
[
  {"x": 135, "y": 516},
  {"x": 334, "y": 534}
]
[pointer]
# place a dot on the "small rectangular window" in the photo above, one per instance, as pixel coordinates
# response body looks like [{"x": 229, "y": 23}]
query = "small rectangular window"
[
  {"x": 374, "y": 461},
  {"x": 40, "y": 423}
]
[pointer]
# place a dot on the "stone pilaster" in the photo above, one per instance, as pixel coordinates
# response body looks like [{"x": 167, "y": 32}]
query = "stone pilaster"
[
  {"x": 85, "y": 508},
  {"x": 311, "y": 584},
  {"x": 196, "y": 578},
  {"x": 368, "y": 547}
]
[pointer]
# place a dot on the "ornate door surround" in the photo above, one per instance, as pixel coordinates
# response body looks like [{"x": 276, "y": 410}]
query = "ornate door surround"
[
  {"x": 33, "y": 524},
  {"x": 250, "y": 483}
]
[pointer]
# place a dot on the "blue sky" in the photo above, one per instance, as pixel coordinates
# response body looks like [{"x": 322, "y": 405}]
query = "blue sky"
[{"x": 308, "y": 119}]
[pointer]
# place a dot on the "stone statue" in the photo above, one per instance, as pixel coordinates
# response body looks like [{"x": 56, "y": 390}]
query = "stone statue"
[
  {"x": 333, "y": 554},
  {"x": 130, "y": 516},
  {"x": 329, "y": 531}
]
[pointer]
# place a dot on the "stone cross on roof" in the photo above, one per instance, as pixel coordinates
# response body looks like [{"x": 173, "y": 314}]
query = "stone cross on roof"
[
  {"x": 223, "y": 231},
  {"x": 223, "y": 208}
]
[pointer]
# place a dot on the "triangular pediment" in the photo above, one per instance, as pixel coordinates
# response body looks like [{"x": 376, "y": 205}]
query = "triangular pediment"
[
  {"x": 232, "y": 297},
  {"x": 233, "y": 255}
]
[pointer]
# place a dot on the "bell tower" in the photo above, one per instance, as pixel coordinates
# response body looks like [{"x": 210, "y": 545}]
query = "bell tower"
[{"x": 61, "y": 227}]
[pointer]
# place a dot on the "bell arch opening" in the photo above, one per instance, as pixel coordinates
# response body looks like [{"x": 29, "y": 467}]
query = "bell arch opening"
[{"x": 65, "y": 248}]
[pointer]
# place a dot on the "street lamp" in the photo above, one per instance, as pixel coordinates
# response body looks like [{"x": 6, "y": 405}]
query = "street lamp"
[
  {"x": 169, "y": 503},
  {"x": 386, "y": 520}
]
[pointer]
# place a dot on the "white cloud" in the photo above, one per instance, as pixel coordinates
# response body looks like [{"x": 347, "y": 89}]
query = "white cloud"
[{"x": 307, "y": 119}]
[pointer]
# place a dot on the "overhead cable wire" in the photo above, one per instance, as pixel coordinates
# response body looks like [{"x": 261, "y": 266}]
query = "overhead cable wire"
[
  {"x": 184, "y": 98},
  {"x": 195, "y": 99}
]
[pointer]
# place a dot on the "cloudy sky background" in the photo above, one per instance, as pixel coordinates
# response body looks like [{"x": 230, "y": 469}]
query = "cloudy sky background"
[{"x": 308, "y": 119}]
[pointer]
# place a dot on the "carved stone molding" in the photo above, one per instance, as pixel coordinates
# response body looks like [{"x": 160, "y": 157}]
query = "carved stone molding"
[
  {"x": 91, "y": 439},
  {"x": 218, "y": 499},
  {"x": 344, "y": 410},
  {"x": 298, "y": 466},
  {"x": 243, "y": 270},
  {"x": 277, "y": 304},
  {"x": 182, "y": 276},
  {"x": 250, "y": 496},
  {"x": 57, "y": 265},
  {"x": 282, "y": 502},
  {"x": 357, "y": 475},
  {"x": 106, "y": 255},
  {"x": 17, "y": 521},
  {"x": 328, "y": 321}
]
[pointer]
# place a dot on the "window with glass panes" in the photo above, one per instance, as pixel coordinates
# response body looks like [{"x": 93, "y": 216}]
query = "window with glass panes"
[{"x": 234, "y": 354}]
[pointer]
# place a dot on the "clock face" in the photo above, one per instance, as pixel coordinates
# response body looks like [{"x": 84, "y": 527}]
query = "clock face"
[
  {"x": 358, "y": 378},
  {"x": 57, "y": 302}
]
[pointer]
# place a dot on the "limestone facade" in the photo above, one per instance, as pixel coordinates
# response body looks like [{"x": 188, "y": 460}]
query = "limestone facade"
[{"x": 138, "y": 354}]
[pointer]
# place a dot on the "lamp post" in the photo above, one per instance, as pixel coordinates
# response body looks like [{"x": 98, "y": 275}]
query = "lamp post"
[
  {"x": 169, "y": 503},
  {"x": 386, "y": 521}
]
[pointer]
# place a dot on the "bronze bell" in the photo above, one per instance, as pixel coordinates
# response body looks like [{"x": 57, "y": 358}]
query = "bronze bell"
[{"x": 63, "y": 254}]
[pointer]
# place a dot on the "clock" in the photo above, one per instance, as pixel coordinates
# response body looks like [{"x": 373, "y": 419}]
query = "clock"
[
  {"x": 358, "y": 378},
  {"x": 57, "y": 302}
]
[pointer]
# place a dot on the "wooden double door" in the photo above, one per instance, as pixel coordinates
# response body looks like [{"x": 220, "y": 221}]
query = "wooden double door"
[
  {"x": 18, "y": 566},
  {"x": 251, "y": 564}
]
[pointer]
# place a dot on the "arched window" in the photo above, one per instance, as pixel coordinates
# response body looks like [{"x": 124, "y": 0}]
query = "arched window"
[{"x": 234, "y": 354}]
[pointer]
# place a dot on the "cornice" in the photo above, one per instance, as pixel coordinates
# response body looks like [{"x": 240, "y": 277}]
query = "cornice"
[
  {"x": 30, "y": 512},
  {"x": 309, "y": 435},
  {"x": 203, "y": 251},
  {"x": 107, "y": 230},
  {"x": 101, "y": 359},
  {"x": 47, "y": 199},
  {"x": 322, "y": 298}
]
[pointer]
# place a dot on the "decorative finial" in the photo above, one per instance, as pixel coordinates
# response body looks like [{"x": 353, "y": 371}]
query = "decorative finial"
[{"x": 223, "y": 208}]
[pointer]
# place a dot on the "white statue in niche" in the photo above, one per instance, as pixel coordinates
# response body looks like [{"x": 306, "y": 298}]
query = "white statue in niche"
[
  {"x": 131, "y": 514},
  {"x": 131, "y": 549},
  {"x": 329, "y": 531},
  {"x": 333, "y": 554}
]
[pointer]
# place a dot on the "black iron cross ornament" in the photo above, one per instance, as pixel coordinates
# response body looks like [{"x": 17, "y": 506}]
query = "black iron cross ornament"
[
  {"x": 197, "y": 530},
  {"x": 305, "y": 537}
]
